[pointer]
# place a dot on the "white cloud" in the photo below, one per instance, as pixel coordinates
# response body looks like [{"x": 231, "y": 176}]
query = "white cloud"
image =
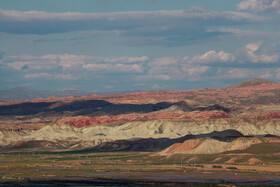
[
  {"x": 236, "y": 73},
  {"x": 266, "y": 76},
  {"x": 165, "y": 27},
  {"x": 138, "y": 59},
  {"x": 31, "y": 65},
  {"x": 194, "y": 12},
  {"x": 213, "y": 56},
  {"x": 124, "y": 59},
  {"x": 109, "y": 86},
  {"x": 46, "y": 62},
  {"x": 164, "y": 61},
  {"x": 67, "y": 76},
  {"x": 50, "y": 76},
  {"x": 2, "y": 53},
  {"x": 165, "y": 68},
  {"x": 105, "y": 1},
  {"x": 193, "y": 72},
  {"x": 66, "y": 61},
  {"x": 260, "y": 5},
  {"x": 69, "y": 62},
  {"x": 262, "y": 58},
  {"x": 172, "y": 68},
  {"x": 37, "y": 75},
  {"x": 246, "y": 73},
  {"x": 239, "y": 34},
  {"x": 145, "y": 69},
  {"x": 249, "y": 53},
  {"x": 155, "y": 86},
  {"x": 196, "y": 70},
  {"x": 152, "y": 77},
  {"x": 253, "y": 46},
  {"x": 102, "y": 68},
  {"x": 278, "y": 74}
]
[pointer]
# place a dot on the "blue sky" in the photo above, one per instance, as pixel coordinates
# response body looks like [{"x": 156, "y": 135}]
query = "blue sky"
[{"x": 114, "y": 45}]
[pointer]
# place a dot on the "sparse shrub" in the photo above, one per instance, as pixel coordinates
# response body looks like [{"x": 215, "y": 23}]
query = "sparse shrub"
[
  {"x": 231, "y": 168},
  {"x": 217, "y": 166}
]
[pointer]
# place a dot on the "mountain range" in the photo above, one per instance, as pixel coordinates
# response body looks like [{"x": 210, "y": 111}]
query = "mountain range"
[
  {"x": 203, "y": 121},
  {"x": 23, "y": 93}
]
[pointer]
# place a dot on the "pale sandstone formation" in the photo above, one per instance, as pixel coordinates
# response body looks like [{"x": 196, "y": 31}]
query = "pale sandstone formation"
[{"x": 164, "y": 128}]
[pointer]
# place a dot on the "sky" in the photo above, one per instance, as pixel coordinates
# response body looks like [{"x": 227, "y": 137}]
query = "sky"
[{"x": 128, "y": 45}]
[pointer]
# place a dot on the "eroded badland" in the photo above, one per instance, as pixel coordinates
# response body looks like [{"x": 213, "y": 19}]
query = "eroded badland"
[{"x": 162, "y": 136}]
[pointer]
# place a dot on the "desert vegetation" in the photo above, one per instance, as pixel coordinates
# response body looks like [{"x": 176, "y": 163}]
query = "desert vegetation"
[{"x": 130, "y": 166}]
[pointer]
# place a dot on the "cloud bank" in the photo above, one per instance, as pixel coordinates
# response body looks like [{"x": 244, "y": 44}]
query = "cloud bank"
[
  {"x": 209, "y": 65},
  {"x": 166, "y": 27},
  {"x": 260, "y": 5}
]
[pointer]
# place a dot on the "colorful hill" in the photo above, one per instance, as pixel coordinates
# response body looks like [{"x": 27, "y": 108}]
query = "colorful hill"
[{"x": 128, "y": 121}]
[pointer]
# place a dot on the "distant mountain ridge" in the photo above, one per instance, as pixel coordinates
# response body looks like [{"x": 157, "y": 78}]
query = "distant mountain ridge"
[
  {"x": 23, "y": 93},
  {"x": 252, "y": 82}
]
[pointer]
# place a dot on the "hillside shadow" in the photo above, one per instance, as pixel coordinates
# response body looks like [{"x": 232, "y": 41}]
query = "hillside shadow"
[
  {"x": 159, "y": 144},
  {"x": 95, "y": 108},
  {"x": 124, "y": 145}
]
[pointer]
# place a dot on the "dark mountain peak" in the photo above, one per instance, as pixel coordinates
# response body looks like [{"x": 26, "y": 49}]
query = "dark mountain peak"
[{"x": 252, "y": 82}]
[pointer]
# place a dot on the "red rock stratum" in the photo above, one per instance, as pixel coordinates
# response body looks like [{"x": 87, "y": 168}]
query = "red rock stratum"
[{"x": 83, "y": 121}]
